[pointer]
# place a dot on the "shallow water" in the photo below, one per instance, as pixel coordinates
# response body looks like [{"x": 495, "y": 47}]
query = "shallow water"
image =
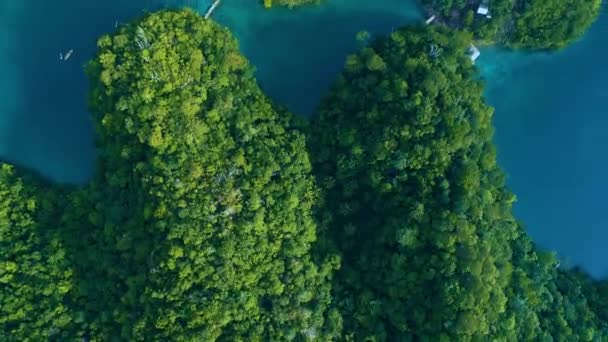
[{"x": 550, "y": 112}]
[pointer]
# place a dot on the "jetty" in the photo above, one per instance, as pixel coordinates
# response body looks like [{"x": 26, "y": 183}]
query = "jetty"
[{"x": 212, "y": 8}]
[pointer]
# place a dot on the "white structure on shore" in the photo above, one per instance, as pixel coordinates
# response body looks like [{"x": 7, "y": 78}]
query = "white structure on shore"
[
  {"x": 474, "y": 53},
  {"x": 483, "y": 9}
]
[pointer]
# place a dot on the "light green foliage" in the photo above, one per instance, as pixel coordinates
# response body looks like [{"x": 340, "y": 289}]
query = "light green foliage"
[
  {"x": 199, "y": 226},
  {"x": 205, "y": 195},
  {"x": 417, "y": 206},
  {"x": 530, "y": 24},
  {"x": 35, "y": 275},
  {"x": 289, "y": 3}
]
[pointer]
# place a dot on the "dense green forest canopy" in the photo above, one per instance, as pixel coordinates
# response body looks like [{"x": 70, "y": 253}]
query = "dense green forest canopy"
[
  {"x": 207, "y": 221},
  {"x": 198, "y": 225},
  {"x": 528, "y": 24},
  {"x": 531, "y": 24},
  {"x": 35, "y": 275},
  {"x": 417, "y": 206}
]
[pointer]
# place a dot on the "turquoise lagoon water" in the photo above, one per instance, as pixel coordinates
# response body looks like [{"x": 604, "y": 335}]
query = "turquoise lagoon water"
[{"x": 550, "y": 110}]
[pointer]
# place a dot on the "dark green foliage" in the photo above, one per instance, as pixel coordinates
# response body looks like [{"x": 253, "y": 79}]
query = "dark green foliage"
[
  {"x": 531, "y": 24},
  {"x": 417, "y": 205},
  {"x": 552, "y": 24}
]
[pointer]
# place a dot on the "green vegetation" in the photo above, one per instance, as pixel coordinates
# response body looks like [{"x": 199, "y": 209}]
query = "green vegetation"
[
  {"x": 551, "y": 24},
  {"x": 203, "y": 196},
  {"x": 289, "y": 3},
  {"x": 198, "y": 225},
  {"x": 35, "y": 276},
  {"x": 204, "y": 220},
  {"x": 417, "y": 206},
  {"x": 530, "y": 24}
]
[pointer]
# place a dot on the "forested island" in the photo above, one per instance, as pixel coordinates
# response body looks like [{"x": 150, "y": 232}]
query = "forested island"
[
  {"x": 215, "y": 214},
  {"x": 527, "y": 24}
]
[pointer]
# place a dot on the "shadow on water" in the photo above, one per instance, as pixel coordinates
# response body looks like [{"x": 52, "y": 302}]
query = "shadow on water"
[{"x": 51, "y": 131}]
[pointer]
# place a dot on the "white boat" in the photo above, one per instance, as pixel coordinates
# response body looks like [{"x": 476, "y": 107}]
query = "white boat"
[{"x": 68, "y": 55}]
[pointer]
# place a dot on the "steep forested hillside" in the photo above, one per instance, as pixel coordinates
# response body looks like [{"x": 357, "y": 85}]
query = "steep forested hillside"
[
  {"x": 417, "y": 206},
  {"x": 198, "y": 225},
  {"x": 203, "y": 195}
]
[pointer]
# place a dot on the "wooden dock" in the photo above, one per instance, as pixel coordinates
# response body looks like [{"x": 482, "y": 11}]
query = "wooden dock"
[{"x": 212, "y": 8}]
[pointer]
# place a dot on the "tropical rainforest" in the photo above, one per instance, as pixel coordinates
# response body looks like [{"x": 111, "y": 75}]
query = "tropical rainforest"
[
  {"x": 530, "y": 24},
  {"x": 215, "y": 214},
  {"x": 527, "y": 24}
]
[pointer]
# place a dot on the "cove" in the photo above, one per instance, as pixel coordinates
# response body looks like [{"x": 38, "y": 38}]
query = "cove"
[
  {"x": 44, "y": 122},
  {"x": 551, "y": 119},
  {"x": 549, "y": 107}
]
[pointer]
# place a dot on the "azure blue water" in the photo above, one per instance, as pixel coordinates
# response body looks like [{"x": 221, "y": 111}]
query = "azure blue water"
[{"x": 549, "y": 114}]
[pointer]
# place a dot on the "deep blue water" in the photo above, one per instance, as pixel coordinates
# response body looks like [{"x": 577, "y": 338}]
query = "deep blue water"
[
  {"x": 551, "y": 123},
  {"x": 44, "y": 123},
  {"x": 550, "y": 112}
]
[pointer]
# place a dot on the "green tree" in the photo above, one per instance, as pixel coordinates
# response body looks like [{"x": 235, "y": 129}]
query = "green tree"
[
  {"x": 35, "y": 274},
  {"x": 529, "y": 24},
  {"x": 203, "y": 195}
]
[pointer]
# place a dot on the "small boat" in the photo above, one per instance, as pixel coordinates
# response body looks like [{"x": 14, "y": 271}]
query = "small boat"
[
  {"x": 61, "y": 56},
  {"x": 68, "y": 55}
]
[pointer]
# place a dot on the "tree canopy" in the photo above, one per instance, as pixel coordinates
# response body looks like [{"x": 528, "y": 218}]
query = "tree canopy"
[
  {"x": 530, "y": 24},
  {"x": 204, "y": 193},
  {"x": 207, "y": 221},
  {"x": 198, "y": 225},
  {"x": 417, "y": 206}
]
